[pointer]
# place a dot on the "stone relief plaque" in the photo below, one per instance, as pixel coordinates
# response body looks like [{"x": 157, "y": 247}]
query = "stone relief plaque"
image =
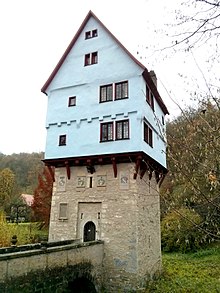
[
  {"x": 81, "y": 182},
  {"x": 101, "y": 180},
  {"x": 124, "y": 180},
  {"x": 61, "y": 184}
]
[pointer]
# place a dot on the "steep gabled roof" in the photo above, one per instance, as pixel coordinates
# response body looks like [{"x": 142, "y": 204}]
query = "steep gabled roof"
[{"x": 146, "y": 74}]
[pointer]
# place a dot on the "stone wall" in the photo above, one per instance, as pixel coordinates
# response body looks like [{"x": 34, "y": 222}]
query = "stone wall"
[
  {"x": 126, "y": 213},
  {"x": 51, "y": 269}
]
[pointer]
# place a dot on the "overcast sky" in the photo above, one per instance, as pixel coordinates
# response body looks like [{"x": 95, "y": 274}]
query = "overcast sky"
[{"x": 34, "y": 35}]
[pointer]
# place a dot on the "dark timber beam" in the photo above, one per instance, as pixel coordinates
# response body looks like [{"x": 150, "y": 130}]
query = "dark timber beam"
[
  {"x": 150, "y": 175},
  {"x": 114, "y": 167},
  {"x": 68, "y": 169},
  {"x": 137, "y": 166}
]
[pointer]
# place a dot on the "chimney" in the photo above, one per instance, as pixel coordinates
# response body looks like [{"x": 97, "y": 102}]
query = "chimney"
[{"x": 153, "y": 77}]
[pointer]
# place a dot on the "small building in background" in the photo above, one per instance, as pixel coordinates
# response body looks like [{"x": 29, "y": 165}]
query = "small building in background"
[{"x": 28, "y": 199}]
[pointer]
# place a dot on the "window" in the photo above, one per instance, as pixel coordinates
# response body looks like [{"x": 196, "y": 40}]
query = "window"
[
  {"x": 94, "y": 33},
  {"x": 91, "y": 34},
  {"x": 87, "y": 59},
  {"x": 72, "y": 101},
  {"x": 118, "y": 91},
  {"x": 62, "y": 139},
  {"x": 88, "y": 35},
  {"x": 152, "y": 101},
  {"x": 106, "y": 131},
  {"x": 106, "y": 93},
  {"x": 121, "y": 90},
  {"x": 163, "y": 122},
  {"x": 148, "y": 135},
  {"x": 149, "y": 97},
  {"x": 147, "y": 94},
  {"x": 91, "y": 58},
  {"x": 95, "y": 58},
  {"x": 63, "y": 211},
  {"x": 122, "y": 129}
]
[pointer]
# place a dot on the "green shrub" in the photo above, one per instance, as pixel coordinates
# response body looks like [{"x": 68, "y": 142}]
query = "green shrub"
[
  {"x": 25, "y": 232},
  {"x": 180, "y": 231}
]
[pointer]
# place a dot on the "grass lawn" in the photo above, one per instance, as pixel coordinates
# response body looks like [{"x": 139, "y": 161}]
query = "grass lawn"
[{"x": 194, "y": 272}]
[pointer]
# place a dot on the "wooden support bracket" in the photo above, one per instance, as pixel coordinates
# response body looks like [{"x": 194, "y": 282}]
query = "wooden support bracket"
[
  {"x": 68, "y": 169},
  {"x": 114, "y": 167},
  {"x": 137, "y": 166}
]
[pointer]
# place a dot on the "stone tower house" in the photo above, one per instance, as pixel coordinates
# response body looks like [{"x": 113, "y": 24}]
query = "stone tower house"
[{"x": 105, "y": 138}]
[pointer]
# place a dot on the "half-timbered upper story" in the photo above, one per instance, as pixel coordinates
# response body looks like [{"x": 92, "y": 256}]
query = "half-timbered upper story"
[{"x": 102, "y": 101}]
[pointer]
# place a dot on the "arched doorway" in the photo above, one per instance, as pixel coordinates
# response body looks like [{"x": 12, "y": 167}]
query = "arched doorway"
[
  {"x": 81, "y": 285},
  {"x": 89, "y": 232}
]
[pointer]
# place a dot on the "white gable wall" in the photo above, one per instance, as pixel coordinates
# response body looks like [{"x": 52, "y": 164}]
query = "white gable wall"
[{"x": 81, "y": 123}]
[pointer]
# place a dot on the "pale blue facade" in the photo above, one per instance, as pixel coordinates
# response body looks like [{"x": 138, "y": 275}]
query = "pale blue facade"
[{"x": 81, "y": 123}]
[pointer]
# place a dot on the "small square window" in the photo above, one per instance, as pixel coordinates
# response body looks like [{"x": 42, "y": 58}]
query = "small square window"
[
  {"x": 91, "y": 58},
  {"x": 91, "y": 34},
  {"x": 72, "y": 101},
  {"x": 62, "y": 140}
]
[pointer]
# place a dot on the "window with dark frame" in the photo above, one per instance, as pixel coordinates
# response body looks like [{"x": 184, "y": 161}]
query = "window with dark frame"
[
  {"x": 91, "y": 34},
  {"x": 87, "y": 59},
  {"x": 72, "y": 101},
  {"x": 62, "y": 140},
  {"x": 94, "y": 58},
  {"x": 149, "y": 97},
  {"x": 148, "y": 135},
  {"x": 106, "y": 131},
  {"x": 88, "y": 35},
  {"x": 121, "y": 90},
  {"x": 122, "y": 129},
  {"x": 147, "y": 94},
  {"x": 106, "y": 93},
  {"x": 63, "y": 211},
  {"x": 94, "y": 33},
  {"x": 152, "y": 101},
  {"x": 91, "y": 58}
]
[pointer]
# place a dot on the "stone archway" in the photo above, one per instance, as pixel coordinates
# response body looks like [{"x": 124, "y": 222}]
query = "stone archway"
[
  {"x": 89, "y": 232},
  {"x": 81, "y": 285}
]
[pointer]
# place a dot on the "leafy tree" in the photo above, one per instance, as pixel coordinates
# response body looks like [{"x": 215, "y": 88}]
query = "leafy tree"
[
  {"x": 180, "y": 231},
  {"x": 194, "y": 164},
  {"x": 26, "y": 168},
  {"x": 8, "y": 190},
  {"x": 42, "y": 197}
]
